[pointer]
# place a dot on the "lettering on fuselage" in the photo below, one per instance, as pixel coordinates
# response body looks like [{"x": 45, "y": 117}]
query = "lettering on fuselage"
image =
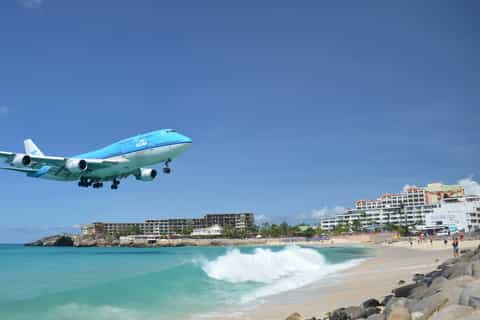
[{"x": 141, "y": 143}]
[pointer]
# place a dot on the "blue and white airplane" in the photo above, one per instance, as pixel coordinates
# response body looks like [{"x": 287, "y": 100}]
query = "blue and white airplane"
[{"x": 128, "y": 157}]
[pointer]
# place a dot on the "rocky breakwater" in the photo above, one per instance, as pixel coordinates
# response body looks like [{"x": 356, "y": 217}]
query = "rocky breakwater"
[
  {"x": 65, "y": 240},
  {"x": 451, "y": 292}
]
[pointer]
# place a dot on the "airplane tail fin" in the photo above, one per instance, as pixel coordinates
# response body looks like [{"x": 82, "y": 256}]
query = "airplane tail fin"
[{"x": 31, "y": 148}]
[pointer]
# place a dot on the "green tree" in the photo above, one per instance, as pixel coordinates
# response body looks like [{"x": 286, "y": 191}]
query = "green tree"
[{"x": 357, "y": 226}]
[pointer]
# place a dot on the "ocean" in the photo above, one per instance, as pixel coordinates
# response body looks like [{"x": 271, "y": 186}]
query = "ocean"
[{"x": 60, "y": 283}]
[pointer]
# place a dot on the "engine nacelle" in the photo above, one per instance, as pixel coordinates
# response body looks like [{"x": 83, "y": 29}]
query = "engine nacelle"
[
  {"x": 22, "y": 160},
  {"x": 76, "y": 165},
  {"x": 146, "y": 174}
]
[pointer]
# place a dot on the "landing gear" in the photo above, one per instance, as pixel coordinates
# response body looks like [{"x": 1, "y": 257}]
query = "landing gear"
[
  {"x": 84, "y": 182},
  {"x": 115, "y": 184},
  {"x": 167, "y": 169}
]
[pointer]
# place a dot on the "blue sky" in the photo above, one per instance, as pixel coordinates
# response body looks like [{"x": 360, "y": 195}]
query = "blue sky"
[{"x": 292, "y": 106}]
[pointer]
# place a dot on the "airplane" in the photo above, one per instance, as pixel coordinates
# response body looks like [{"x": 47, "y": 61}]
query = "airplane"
[{"x": 130, "y": 156}]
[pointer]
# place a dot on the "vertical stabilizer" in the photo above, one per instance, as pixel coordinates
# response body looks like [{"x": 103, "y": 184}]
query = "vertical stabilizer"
[{"x": 31, "y": 148}]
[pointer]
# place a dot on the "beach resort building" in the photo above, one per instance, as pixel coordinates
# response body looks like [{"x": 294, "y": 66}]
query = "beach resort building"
[
  {"x": 460, "y": 213},
  {"x": 169, "y": 227},
  {"x": 412, "y": 206},
  {"x": 214, "y": 230}
]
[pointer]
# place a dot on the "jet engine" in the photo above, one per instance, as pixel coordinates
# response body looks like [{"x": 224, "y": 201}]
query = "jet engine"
[
  {"x": 146, "y": 174},
  {"x": 76, "y": 165},
  {"x": 22, "y": 160}
]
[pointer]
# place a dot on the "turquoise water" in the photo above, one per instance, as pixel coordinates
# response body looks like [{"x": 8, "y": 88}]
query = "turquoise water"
[{"x": 154, "y": 283}]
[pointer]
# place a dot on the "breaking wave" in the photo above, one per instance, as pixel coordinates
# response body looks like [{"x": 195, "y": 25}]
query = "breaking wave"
[{"x": 290, "y": 268}]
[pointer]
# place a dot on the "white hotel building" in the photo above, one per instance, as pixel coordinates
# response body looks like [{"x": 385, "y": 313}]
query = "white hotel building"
[{"x": 416, "y": 205}]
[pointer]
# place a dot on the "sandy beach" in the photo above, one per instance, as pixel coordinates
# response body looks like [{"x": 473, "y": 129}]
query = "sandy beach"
[{"x": 372, "y": 278}]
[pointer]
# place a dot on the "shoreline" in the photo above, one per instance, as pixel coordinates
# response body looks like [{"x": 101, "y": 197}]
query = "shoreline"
[{"x": 374, "y": 277}]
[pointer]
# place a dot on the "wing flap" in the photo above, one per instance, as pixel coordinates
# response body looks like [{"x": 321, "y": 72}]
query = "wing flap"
[{"x": 25, "y": 170}]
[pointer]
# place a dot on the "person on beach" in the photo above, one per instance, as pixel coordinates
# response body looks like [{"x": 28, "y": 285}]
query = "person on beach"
[
  {"x": 455, "y": 248},
  {"x": 431, "y": 241},
  {"x": 445, "y": 241},
  {"x": 410, "y": 240}
]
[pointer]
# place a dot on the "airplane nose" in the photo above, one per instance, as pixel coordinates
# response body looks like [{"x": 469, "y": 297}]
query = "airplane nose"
[{"x": 186, "y": 139}]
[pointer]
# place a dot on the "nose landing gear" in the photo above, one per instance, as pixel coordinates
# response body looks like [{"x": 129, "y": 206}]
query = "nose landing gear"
[
  {"x": 115, "y": 184},
  {"x": 167, "y": 169}
]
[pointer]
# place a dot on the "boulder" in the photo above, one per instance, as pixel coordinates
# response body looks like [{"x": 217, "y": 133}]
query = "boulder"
[
  {"x": 386, "y": 299},
  {"x": 350, "y": 313},
  {"x": 474, "y": 316},
  {"x": 399, "y": 313},
  {"x": 470, "y": 296},
  {"x": 393, "y": 304},
  {"x": 417, "y": 315},
  {"x": 370, "y": 311},
  {"x": 419, "y": 292},
  {"x": 404, "y": 291},
  {"x": 295, "y": 316},
  {"x": 430, "y": 304},
  {"x": 370, "y": 303},
  {"x": 452, "y": 312},
  {"x": 459, "y": 269},
  {"x": 476, "y": 268}
]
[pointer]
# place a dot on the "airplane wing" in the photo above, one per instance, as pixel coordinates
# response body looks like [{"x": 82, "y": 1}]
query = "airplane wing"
[
  {"x": 57, "y": 164},
  {"x": 7, "y": 156},
  {"x": 60, "y": 162}
]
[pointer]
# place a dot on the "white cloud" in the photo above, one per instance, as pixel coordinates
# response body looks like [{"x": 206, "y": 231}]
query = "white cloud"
[
  {"x": 326, "y": 212},
  {"x": 30, "y": 4},
  {"x": 471, "y": 187},
  {"x": 3, "y": 110}
]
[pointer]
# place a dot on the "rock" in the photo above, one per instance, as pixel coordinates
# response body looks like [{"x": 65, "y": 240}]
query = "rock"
[
  {"x": 417, "y": 315},
  {"x": 418, "y": 277},
  {"x": 400, "y": 282},
  {"x": 350, "y": 313},
  {"x": 459, "y": 269},
  {"x": 295, "y": 316},
  {"x": 430, "y": 304},
  {"x": 370, "y": 311},
  {"x": 437, "y": 283},
  {"x": 399, "y": 313},
  {"x": 386, "y": 299},
  {"x": 476, "y": 269},
  {"x": 419, "y": 292},
  {"x": 470, "y": 296},
  {"x": 370, "y": 303},
  {"x": 404, "y": 291},
  {"x": 452, "y": 312},
  {"x": 474, "y": 316},
  {"x": 394, "y": 303}
]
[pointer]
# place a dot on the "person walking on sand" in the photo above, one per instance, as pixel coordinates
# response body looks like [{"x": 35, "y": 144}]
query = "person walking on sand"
[
  {"x": 455, "y": 248},
  {"x": 445, "y": 241}
]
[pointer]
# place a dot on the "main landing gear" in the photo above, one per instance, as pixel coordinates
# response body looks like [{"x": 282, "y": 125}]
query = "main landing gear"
[
  {"x": 167, "y": 169},
  {"x": 115, "y": 184},
  {"x": 85, "y": 182}
]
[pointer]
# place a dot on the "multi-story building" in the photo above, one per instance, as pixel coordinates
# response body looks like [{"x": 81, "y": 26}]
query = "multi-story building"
[
  {"x": 166, "y": 227},
  {"x": 406, "y": 208},
  {"x": 460, "y": 213}
]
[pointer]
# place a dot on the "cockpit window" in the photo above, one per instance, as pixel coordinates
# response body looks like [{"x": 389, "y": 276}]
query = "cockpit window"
[{"x": 169, "y": 131}]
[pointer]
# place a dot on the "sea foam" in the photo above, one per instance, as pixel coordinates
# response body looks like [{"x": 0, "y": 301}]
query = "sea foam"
[{"x": 287, "y": 269}]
